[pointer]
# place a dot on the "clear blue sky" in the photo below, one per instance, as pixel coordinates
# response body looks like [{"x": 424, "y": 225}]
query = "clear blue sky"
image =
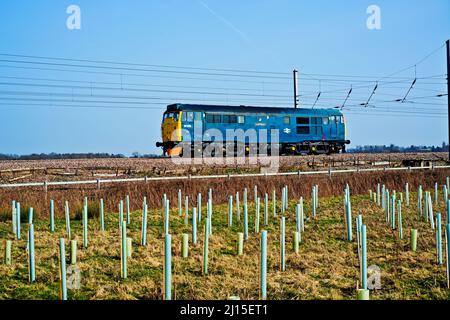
[{"x": 316, "y": 37}]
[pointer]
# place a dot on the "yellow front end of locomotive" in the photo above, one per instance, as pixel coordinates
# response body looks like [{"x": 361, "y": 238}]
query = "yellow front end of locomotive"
[{"x": 171, "y": 134}]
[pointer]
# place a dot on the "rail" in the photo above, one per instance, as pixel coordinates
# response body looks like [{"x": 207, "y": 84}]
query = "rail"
[{"x": 99, "y": 182}]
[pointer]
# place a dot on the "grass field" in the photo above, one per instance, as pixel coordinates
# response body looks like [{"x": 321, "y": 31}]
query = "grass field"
[{"x": 326, "y": 266}]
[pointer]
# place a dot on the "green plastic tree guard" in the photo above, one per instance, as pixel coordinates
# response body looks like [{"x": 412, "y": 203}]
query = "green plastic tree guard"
[
  {"x": 257, "y": 215},
  {"x": 102, "y": 216},
  {"x": 31, "y": 257},
  {"x": 363, "y": 294},
  {"x": 180, "y": 204},
  {"x": 230, "y": 211},
  {"x": 296, "y": 241},
  {"x": 167, "y": 267},
  {"x": 8, "y": 245},
  {"x": 283, "y": 243},
  {"x": 439, "y": 238},
  {"x": 194, "y": 226},
  {"x": 184, "y": 245},
  {"x": 129, "y": 247},
  {"x": 205, "y": 247},
  {"x": 85, "y": 227},
  {"x": 414, "y": 235},
  {"x": 245, "y": 221},
  {"x": 127, "y": 201},
  {"x": 124, "y": 255},
  {"x": 73, "y": 252},
  {"x": 52, "y": 216},
  {"x": 18, "y": 220},
  {"x": 240, "y": 246},
  {"x": 263, "y": 267},
  {"x": 62, "y": 269},
  {"x": 67, "y": 217},
  {"x": 199, "y": 207},
  {"x": 363, "y": 257},
  {"x": 144, "y": 225}
]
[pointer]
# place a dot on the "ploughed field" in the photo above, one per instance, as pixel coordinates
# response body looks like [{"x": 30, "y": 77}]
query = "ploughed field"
[
  {"x": 80, "y": 169},
  {"x": 326, "y": 265}
]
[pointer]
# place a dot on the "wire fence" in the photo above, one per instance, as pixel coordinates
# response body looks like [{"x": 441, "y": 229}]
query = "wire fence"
[{"x": 99, "y": 182}]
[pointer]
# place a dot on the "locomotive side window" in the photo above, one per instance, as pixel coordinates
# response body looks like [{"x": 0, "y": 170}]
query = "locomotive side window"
[
  {"x": 198, "y": 116},
  {"x": 316, "y": 120},
  {"x": 317, "y": 130},
  {"x": 287, "y": 120},
  {"x": 213, "y": 118},
  {"x": 240, "y": 119},
  {"x": 342, "y": 119},
  {"x": 325, "y": 120},
  {"x": 229, "y": 119},
  {"x": 302, "y": 120},
  {"x": 302, "y": 130}
]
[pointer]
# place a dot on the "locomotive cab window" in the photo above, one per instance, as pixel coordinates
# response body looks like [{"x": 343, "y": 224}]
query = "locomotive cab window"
[
  {"x": 187, "y": 116},
  {"x": 325, "y": 120},
  {"x": 240, "y": 119}
]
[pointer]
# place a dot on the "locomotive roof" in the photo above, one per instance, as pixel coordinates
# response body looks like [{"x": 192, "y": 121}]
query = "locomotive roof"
[{"x": 250, "y": 109}]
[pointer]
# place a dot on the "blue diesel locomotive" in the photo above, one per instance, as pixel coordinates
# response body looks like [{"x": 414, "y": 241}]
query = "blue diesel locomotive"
[{"x": 300, "y": 131}]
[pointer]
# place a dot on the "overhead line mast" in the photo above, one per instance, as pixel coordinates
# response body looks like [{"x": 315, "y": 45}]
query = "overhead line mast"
[{"x": 295, "y": 89}]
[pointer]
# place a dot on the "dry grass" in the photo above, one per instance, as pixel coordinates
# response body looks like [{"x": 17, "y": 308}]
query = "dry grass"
[
  {"x": 298, "y": 186},
  {"x": 325, "y": 268}
]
